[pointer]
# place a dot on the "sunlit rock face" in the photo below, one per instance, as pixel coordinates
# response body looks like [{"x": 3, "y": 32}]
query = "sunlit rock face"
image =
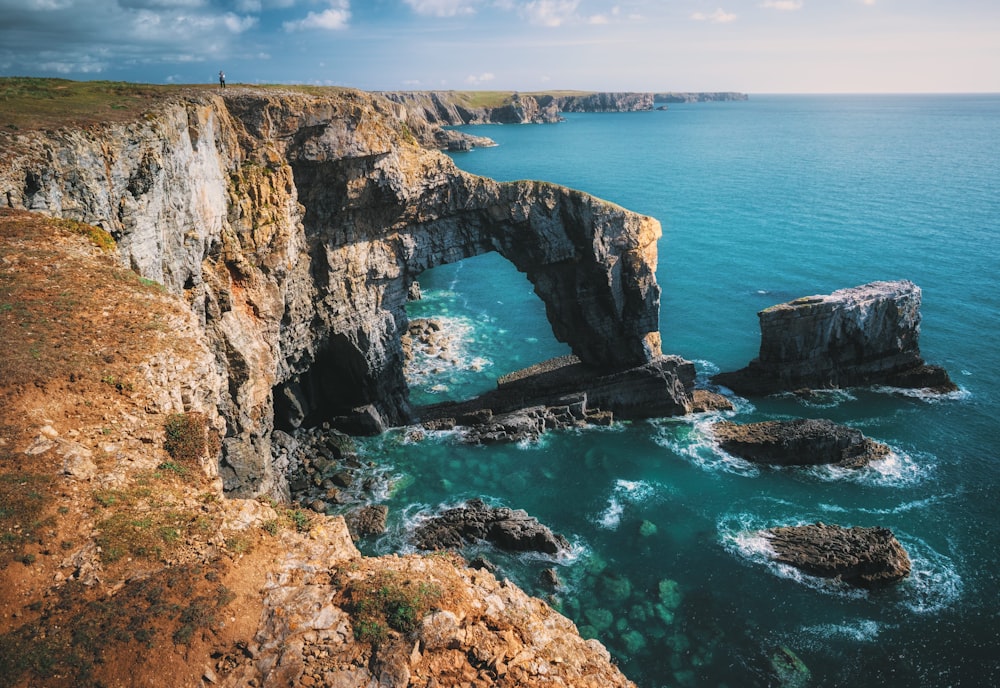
[
  {"x": 295, "y": 224},
  {"x": 867, "y": 335}
]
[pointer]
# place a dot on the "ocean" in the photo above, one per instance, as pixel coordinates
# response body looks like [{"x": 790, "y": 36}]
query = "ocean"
[{"x": 761, "y": 202}]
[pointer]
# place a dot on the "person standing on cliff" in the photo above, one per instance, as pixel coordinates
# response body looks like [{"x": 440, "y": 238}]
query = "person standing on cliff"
[{"x": 222, "y": 79}]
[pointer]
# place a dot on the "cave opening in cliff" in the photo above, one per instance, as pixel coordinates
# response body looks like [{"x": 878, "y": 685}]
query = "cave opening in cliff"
[{"x": 470, "y": 323}]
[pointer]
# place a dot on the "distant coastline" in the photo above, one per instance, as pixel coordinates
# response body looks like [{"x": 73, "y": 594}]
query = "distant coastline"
[{"x": 453, "y": 108}]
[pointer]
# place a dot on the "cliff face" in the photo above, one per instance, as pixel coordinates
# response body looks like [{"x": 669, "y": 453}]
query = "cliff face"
[{"x": 294, "y": 225}]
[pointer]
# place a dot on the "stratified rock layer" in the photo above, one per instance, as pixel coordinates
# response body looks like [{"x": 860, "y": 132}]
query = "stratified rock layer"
[
  {"x": 801, "y": 442},
  {"x": 510, "y": 529},
  {"x": 863, "y": 557},
  {"x": 867, "y": 335},
  {"x": 295, "y": 225}
]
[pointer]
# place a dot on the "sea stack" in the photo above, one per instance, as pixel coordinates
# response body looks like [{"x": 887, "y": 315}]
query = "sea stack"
[{"x": 866, "y": 335}]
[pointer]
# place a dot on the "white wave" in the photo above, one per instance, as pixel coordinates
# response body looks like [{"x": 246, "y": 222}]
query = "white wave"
[
  {"x": 897, "y": 469},
  {"x": 859, "y": 630},
  {"x": 926, "y": 395},
  {"x": 934, "y": 582},
  {"x": 693, "y": 440},
  {"x": 624, "y": 492}
]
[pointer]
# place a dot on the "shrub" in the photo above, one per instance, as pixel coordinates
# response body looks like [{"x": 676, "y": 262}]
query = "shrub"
[
  {"x": 383, "y": 601},
  {"x": 188, "y": 437}
]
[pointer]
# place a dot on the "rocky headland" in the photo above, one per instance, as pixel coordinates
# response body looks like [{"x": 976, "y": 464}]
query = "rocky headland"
[
  {"x": 863, "y": 336},
  {"x": 259, "y": 246},
  {"x": 294, "y": 226},
  {"x": 427, "y": 111}
]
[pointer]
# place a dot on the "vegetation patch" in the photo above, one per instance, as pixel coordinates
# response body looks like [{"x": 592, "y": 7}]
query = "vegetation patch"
[
  {"x": 81, "y": 630},
  {"x": 143, "y": 521},
  {"x": 97, "y": 236},
  {"x": 189, "y": 438},
  {"x": 385, "y": 601},
  {"x": 22, "y": 513}
]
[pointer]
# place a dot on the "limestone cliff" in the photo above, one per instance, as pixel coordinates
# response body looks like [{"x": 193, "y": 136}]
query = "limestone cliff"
[
  {"x": 867, "y": 335},
  {"x": 294, "y": 225}
]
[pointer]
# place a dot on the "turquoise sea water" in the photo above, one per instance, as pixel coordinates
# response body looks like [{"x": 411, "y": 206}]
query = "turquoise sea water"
[{"x": 761, "y": 201}]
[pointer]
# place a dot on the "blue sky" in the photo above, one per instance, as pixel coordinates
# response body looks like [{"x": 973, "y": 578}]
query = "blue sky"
[{"x": 755, "y": 46}]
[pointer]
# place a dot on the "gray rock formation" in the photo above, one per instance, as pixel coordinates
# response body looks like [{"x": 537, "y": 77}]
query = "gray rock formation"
[
  {"x": 510, "y": 529},
  {"x": 294, "y": 225},
  {"x": 799, "y": 442},
  {"x": 867, "y": 335},
  {"x": 863, "y": 557},
  {"x": 681, "y": 97}
]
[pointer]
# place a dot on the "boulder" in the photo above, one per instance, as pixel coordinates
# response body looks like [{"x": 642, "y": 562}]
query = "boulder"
[
  {"x": 368, "y": 520},
  {"x": 800, "y": 442},
  {"x": 510, "y": 529},
  {"x": 867, "y": 335},
  {"x": 863, "y": 557}
]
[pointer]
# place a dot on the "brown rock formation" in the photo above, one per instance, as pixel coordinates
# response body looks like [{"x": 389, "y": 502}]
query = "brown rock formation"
[
  {"x": 863, "y": 557},
  {"x": 866, "y": 335},
  {"x": 799, "y": 442}
]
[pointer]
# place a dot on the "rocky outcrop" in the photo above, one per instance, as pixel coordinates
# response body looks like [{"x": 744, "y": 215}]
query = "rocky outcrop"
[
  {"x": 867, "y": 335},
  {"x": 474, "y": 521},
  {"x": 294, "y": 225},
  {"x": 564, "y": 393},
  {"x": 863, "y": 557},
  {"x": 799, "y": 442}
]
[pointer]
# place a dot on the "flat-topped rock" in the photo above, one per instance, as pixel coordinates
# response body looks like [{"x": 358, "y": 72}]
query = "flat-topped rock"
[
  {"x": 863, "y": 557},
  {"x": 799, "y": 442},
  {"x": 867, "y": 335},
  {"x": 510, "y": 529}
]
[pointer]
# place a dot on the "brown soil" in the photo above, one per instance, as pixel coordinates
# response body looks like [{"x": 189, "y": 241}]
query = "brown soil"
[{"x": 164, "y": 588}]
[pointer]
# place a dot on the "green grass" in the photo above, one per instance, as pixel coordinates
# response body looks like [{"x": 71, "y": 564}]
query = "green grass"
[{"x": 384, "y": 602}]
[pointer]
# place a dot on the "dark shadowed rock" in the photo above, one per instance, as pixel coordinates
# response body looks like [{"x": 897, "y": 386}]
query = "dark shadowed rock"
[
  {"x": 866, "y": 335},
  {"x": 864, "y": 557},
  {"x": 368, "y": 520},
  {"x": 800, "y": 442},
  {"x": 510, "y": 529}
]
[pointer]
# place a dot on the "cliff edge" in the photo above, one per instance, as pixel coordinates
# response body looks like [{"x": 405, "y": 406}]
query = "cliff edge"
[{"x": 294, "y": 224}]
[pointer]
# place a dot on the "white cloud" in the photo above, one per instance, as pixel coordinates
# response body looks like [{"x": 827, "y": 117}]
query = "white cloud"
[
  {"x": 549, "y": 12},
  {"x": 784, "y": 5},
  {"x": 719, "y": 16},
  {"x": 598, "y": 19},
  {"x": 332, "y": 19},
  {"x": 443, "y": 8},
  {"x": 238, "y": 24},
  {"x": 476, "y": 80}
]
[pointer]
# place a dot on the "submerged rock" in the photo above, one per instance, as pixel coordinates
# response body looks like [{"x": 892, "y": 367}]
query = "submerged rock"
[
  {"x": 800, "y": 442},
  {"x": 867, "y": 335},
  {"x": 789, "y": 671},
  {"x": 510, "y": 529},
  {"x": 863, "y": 557}
]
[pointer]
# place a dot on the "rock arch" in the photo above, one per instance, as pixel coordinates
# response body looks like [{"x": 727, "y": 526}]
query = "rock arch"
[{"x": 375, "y": 223}]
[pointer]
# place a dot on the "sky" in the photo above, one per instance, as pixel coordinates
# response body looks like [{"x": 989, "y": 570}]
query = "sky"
[{"x": 751, "y": 46}]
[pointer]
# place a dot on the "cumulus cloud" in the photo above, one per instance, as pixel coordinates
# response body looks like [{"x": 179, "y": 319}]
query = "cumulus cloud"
[
  {"x": 443, "y": 8},
  {"x": 549, "y": 12},
  {"x": 478, "y": 79},
  {"x": 332, "y": 19},
  {"x": 784, "y": 5},
  {"x": 719, "y": 16}
]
